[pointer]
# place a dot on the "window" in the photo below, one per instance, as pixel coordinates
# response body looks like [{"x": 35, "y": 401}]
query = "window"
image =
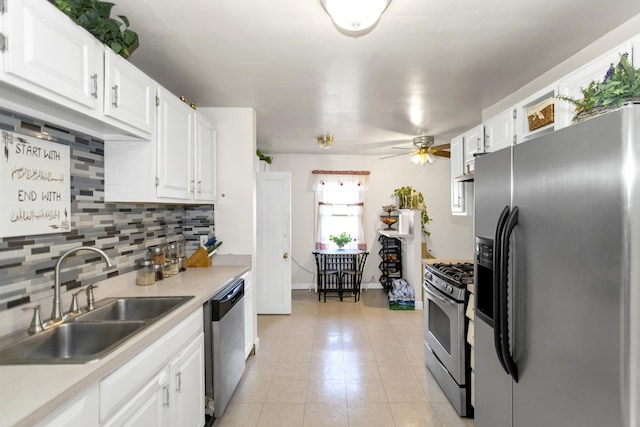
[{"x": 340, "y": 207}]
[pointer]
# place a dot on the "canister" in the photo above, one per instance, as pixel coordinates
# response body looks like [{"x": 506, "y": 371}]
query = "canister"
[
  {"x": 182, "y": 261},
  {"x": 156, "y": 254},
  {"x": 145, "y": 275},
  {"x": 167, "y": 269},
  {"x": 158, "y": 270}
]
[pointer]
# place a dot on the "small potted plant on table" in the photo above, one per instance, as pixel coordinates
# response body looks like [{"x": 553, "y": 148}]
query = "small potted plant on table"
[{"x": 341, "y": 240}]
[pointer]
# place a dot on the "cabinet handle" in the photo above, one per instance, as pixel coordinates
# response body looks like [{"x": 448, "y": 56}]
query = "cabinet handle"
[
  {"x": 193, "y": 187},
  {"x": 115, "y": 96},
  {"x": 179, "y": 382},
  {"x": 165, "y": 390},
  {"x": 95, "y": 86},
  {"x": 199, "y": 187}
]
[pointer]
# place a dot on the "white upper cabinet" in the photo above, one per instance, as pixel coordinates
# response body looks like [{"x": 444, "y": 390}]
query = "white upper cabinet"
[
  {"x": 129, "y": 94},
  {"x": 457, "y": 169},
  {"x": 204, "y": 160},
  {"x": 473, "y": 144},
  {"x": 48, "y": 55},
  {"x": 177, "y": 165},
  {"x": 175, "y": 147},
  {"x": 499, "y": 131},
  {"x": 572, "y": 84}
]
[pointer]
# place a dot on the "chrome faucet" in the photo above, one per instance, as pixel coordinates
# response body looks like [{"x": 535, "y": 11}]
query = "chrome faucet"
[{"x": 56, "y": 313}]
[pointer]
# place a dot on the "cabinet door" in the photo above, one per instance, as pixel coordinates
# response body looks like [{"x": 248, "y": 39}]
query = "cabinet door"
[
  {"x": 175, "y": 147},
  {"x": 81, "y": 412},
  {"x": 205, "y": 160},
  {"x": 187, "y": 385},
  {"x": 129, "y": 94},
  {"x": 457, "y": 169},
  {"x": 147, "y": 408},
  {"x": 473, "y": 144},
  {"x": 249, "y": 314},
  {"x": 499, "y": 131},
  {"x": 48, "y": 53}
]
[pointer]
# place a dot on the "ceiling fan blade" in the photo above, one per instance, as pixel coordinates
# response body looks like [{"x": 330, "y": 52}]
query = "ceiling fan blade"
[
  {"x": 395, "y": 155},
  {"x": 441, "y": 153},
  {"x": 441, "y": 147},
  {"x": 403, "y": 148}
]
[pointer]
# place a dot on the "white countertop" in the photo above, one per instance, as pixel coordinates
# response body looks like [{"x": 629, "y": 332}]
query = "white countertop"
[{"x": 29, "y": 393}]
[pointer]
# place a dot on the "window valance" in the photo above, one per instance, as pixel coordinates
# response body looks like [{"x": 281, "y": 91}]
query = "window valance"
[{"x": 340, "y": 180}]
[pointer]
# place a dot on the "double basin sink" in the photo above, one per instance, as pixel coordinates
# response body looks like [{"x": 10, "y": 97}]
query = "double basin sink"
[{"x": 91, "y": 335}]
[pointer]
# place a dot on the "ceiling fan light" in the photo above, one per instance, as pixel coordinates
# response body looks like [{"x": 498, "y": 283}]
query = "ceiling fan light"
[
  {"x": 419, "y": 158},
  {"x": 355, "y": 17}
]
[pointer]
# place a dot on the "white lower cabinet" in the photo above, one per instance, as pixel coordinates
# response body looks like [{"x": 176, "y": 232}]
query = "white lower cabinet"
[
  {"x": 148, "y": 407},
  {"x": 80, "y": 412},
  {"x": 249, "y": 314},
  {"x": 163, "y": 385},
  {"x": 186, "y": 390}
]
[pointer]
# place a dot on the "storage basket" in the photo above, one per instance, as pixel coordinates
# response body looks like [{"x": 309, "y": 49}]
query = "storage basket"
[{"x": 540, "y": 114}]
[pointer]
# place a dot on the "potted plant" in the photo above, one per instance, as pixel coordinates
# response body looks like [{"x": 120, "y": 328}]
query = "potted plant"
[
  {"x": 620, "y": 84},
  {"x": 95, "y": 17},
  {"x": 410, "y": 198},
  {"x": 263, "y": 157},
  {"x": 341, "y": 239}
]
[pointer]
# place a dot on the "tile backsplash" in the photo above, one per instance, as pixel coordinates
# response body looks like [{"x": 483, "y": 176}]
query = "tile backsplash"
[{"x": 123, "y": 230}]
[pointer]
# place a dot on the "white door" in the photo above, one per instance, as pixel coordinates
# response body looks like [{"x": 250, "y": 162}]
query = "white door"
[
  {"x": 205, "y": 160},
  {"x": 498, "y": 131},
  {"x": 273, "y": 278}
]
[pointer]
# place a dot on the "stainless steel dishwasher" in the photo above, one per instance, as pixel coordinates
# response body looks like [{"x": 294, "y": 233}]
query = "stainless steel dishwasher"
[{"x": 224, "y": 346}]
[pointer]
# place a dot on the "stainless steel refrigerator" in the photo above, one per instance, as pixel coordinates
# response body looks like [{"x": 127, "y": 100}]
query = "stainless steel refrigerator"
[{"x": 557, "y": 331}]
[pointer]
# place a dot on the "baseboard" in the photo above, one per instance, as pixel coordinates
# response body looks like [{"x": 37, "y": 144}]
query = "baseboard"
[{"x": 311, "y": 286}]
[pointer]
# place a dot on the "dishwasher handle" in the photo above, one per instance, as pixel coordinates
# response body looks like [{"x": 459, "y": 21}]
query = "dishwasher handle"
[{"x": 226, "y": 299}]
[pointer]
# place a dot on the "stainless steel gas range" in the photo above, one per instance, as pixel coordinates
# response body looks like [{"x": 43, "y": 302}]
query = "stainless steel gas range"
[{"x": 446, "y": 352}]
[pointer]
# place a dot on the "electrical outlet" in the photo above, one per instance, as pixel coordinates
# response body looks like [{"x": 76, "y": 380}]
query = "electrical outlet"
[{"x": 203, "y": 240}]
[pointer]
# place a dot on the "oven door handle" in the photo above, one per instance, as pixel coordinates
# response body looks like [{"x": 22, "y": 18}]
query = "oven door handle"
[
  {"x": 512, "y": 221},
  {"x": 434, "y": 293},
  {"x": 497, "y": 270}
]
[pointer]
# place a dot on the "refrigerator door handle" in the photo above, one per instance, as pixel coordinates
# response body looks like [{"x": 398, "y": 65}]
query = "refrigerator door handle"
[
  {"x": 512, "y": 221},
  {"x": 497, "y": 326}
]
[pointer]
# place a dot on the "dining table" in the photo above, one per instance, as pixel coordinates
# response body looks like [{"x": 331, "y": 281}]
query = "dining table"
[{"x": 339, "y": 271}]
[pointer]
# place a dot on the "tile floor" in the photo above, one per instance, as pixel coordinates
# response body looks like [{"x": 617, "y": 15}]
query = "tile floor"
[{"x": 340, "y": 364}]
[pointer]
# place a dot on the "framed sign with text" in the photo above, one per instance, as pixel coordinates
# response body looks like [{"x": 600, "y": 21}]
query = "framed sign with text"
[{"x": 35, "y": 186}]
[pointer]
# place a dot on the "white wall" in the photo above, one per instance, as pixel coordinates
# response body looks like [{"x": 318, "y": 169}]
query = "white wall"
[
  {"x": 451, "y": 236},
  {"x": 236, "y": 166}
]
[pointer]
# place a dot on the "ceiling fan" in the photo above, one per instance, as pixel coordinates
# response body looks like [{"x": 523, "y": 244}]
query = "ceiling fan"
[{"x": 424, "y": 150}]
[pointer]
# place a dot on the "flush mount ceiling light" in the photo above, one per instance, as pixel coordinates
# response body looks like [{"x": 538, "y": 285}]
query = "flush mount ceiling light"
[
  {"x": 355, "y": 17},
  {"x": 325, "y": 141}
]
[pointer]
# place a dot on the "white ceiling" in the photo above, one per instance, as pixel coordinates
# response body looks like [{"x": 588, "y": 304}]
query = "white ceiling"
[{"x": 429, "y": 67}]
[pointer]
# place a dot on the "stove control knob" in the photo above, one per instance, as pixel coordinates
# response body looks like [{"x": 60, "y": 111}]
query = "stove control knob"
[
  {"x": 449, "y": 289},
  {"x": 428, "y": 276}
]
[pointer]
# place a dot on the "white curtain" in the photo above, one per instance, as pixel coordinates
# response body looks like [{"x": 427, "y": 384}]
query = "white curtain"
[{"x": 340, "y": 207}]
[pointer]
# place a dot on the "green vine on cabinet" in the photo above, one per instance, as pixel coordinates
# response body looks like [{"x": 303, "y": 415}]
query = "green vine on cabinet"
[
  {"x": 95, "y": 17},
  {"x": 410, "y": 198},
  {"x": 621, "y": 83}
]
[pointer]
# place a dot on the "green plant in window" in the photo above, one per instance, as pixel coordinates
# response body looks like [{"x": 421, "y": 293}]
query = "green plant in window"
[
  {"x": 410, "y": 198},
  {"x": 95, "y": 17},
  {"x": 341, "y": 239}
]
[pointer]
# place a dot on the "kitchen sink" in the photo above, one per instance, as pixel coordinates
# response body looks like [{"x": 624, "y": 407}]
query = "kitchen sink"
[
  {"x": 69, "y": 343},
  {"x": 124, "y": 309},
  {"x": 91, "y": 335}
]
